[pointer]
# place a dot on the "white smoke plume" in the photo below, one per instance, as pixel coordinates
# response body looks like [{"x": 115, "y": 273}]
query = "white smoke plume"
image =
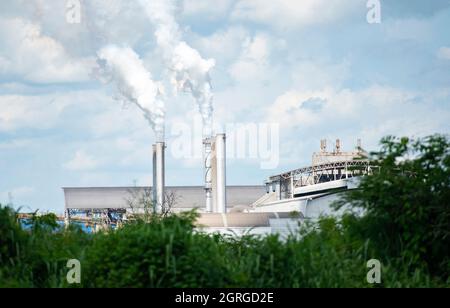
[
  {"x": 122, "y": 66},
  {"x": 190, "y": 72}
]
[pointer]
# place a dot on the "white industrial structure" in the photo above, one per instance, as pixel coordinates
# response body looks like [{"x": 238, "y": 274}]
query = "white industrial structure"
[
  {"x": 286, "y": 200},
  {"x": 324, "y": 175},
  {"x": 158, "y": 192},
  {"x": 215, "y": 174}
]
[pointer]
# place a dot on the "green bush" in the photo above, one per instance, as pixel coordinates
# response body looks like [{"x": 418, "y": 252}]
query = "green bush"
[
  {"x": 407, "y": 203},
  {"x": 162, "y": 253},
  {"x": 167, "y": 252},
  {"x": 36, "y": 256}
]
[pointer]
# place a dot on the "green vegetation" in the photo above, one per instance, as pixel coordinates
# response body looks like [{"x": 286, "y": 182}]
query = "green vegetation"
[
  {"x": 405, "y": 225},
  {"x": 407, "y": 203}
]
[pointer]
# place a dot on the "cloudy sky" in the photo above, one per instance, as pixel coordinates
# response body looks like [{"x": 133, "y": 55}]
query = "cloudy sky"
[{"x": 316, "y": 68}]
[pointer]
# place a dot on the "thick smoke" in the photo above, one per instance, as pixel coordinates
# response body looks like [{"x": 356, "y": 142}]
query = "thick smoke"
[
  {"x": 123, "y": 67},
  {"x": 190, "y": 72}
]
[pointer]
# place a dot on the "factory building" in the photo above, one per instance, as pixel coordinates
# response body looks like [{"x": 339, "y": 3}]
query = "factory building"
[
  {"x": 279, "y": 206},
  {"x": 184, "y": 198}
]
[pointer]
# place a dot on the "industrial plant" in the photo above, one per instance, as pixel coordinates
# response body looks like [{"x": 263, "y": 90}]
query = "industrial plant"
[
  {"x": 285, "y": 200},
  {"x": 279, "y": 206}
]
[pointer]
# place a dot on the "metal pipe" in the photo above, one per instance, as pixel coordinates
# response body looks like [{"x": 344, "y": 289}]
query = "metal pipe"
[
  {"x": 160, "y": 176},
  {"x": 292, "y": 186},
  {"x": 154, "y": 188},
  {"x": 221, "y": 193},
  {"x": 67, "y": 218}
]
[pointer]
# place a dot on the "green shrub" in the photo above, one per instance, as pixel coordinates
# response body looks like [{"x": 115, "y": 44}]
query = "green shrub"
[
  {"x": 165, "y": 252},
  {"x": 168, "y": 252},
  {"x": 407, "y": 202},
  {"x": 36, "y": 256}
]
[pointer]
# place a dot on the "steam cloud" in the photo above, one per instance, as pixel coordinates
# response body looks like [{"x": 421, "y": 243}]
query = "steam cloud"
[
  {"x": 190, "y": 72},
  {"x": 123, "y": 66}
]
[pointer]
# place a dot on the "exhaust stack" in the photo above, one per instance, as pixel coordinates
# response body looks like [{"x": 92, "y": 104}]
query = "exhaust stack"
[
  {"x": 217, "y": 176},
  {"x": 158, "y": 177},
  {"x": 221, "y": 178}
]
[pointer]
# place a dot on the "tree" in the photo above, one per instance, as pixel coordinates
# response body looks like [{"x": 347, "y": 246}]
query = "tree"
[
  {"x": 407, "y": 202},
  {"x": 141, "y": 200}
]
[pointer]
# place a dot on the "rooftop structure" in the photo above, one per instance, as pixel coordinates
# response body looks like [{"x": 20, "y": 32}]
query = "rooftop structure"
[{"x": 326, "y": 167}]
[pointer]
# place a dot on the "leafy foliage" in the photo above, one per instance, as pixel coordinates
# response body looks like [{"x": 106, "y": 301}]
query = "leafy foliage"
[{"x": 407, "y": 202}]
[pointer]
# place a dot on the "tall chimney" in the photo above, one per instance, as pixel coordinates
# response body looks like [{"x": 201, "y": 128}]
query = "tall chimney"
[
  {"x": 154, "y": 188},
  {"x": 221, "y": 191},
  {"x": 158, "y": 176}
]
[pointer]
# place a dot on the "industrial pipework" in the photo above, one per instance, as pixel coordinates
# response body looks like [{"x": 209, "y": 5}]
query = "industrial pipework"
[
  {"x": 215, "y": 174},
  {"x": 221, "y": 178},
  {"x": 158, "y": 176}
]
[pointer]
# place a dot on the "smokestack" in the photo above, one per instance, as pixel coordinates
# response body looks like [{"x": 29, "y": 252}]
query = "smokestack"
[
  {"x": 154, "y": 197},
  {"x": 221, "y": 179},
  {"x": 158, "y": 177}
]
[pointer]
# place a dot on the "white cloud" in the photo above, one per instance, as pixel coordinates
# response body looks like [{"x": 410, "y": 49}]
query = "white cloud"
[
  {"x": 45, "y": 111},
  {"x": 19, "y": 111},
  {"x": 444, "y": 53},
  {"x": 370, "y": 114},
  {"x": 206, "y": 8},
  {"x": 224, "y": 45},
  {"x": 311, "y": 75},
  {"x": 288, "y": 13},
  {"x": 33, "y": 56},
  {"x": 81, "y": 161},
  {"x": 253, "y": 62},
  {"x": 102, "y": 22}
]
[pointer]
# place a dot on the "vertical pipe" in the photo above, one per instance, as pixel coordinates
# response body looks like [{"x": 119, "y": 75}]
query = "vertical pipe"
[
  {"x": 214, "y": 175},
  {"x": 66, "y": 218},
  {"x": 160, "y": 176},
  {"x": 154, "y": 188},
  {"x": 221, "y": 173},
  {"x": 292, "y": 186}
]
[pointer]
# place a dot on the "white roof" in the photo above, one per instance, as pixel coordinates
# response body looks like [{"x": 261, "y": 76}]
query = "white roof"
[{"x": 186, "y": 196}]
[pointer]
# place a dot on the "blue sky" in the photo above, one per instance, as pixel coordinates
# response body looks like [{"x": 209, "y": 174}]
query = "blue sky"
[{"x": 317, "y": 68}]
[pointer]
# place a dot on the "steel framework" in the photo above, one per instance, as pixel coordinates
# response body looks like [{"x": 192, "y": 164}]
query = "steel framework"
[
  {"x": 103, "y": 217},
  {"x": 321, "y": 173}
]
